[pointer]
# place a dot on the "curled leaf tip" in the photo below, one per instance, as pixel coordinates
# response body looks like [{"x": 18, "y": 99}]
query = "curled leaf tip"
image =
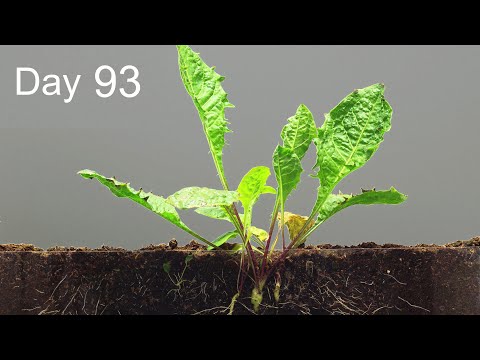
[{"x": 87, "y": 174}]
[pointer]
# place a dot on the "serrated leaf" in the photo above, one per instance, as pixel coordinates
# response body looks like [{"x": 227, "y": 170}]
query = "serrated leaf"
[
  {"x": 299, "y": 131},
  {"x": 152, "y": 202},
  {"x": 351, "y": 134},
  {"x": 222, "y": 239},
  {"x": 297, "y": 136},
  {"x": 293, "y": 222},
  {"x": 336, "y": 203},
  {"x": 203, "y": 84},
  {"x": 260, "y": 234},
  {"x": 250, "y": 188},
  {"x": 217, "y": 213},
  {"x": 197, "y": 197}
]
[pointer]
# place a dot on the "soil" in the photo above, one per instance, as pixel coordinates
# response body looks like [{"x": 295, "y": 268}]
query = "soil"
[{"x": 367, "y": 279}]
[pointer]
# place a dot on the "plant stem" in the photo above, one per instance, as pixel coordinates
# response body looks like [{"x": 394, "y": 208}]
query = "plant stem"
[
  {"x": 305, "y": 226},
  {"x": 251, "y": 254},
  {"x": 282, "y": 257},
  {"x": 235, "y": 218},
  {"x": 309, "y": 232},
  {"x": 258, "y": 251},
  {"x": 313, "y": 215},
  {"x": 235, "y": 221},
  {"x": 270, "y": 233},
  {"x": 275, "y": 243},
  {"x": 194, "y": 234},
  {"x": 241, "y": 274}
]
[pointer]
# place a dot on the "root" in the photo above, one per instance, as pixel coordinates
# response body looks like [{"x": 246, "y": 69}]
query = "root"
[
  {"x": 412, "y": 305},
  {"x": 257, "y": 298},
  {"x": 394, "y": 278},
  {"x": 232, "y": 303},
  {"x": 221, "y": 309}
]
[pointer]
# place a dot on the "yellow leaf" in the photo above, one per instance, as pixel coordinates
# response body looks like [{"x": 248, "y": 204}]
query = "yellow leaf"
[
  {"x": 294, "y": 223},
  {"x": 261, "y": 234}
]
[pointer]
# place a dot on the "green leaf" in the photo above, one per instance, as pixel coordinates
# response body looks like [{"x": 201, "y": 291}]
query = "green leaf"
[
  {"x": 260, "y": 234},
  {"x": 236, "y": 248},
  {"x": 268, "y": 190},
  {"x": 297, "y": 136},
  {"x": 196, "y": 197},
  {"x": 288, "y": 169},
  {"x": 217, "y": 213},
  {"x": 222, "y": 239},
  {"x": 154, "y": 203},
  {"x": 204, "y": 86},
  {"x": 351, "y": 134},
  {"x": 167, "y": 266},
  {"x": 336, "y": 203},
  {"x": 299, "y": 132},
  {"x": 250, "y": 188}
]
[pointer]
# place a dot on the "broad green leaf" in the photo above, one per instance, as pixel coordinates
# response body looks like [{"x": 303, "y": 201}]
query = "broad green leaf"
[
  {"x": 293, "y": 222},
  {"x": 336, "y": 203},
  {"x": 197, "y": 197},
  {"x": 299, "y": 131},
  {"x": 222, "y": 239},
  {"x": 260, "y": 234},
  {"x": 204, "y": 86},
  {"x": 154, "y": 203},
  {"x": 351, "y": 134},
  {"x": 288, "y": 169},
  {"x": 217, "y": 213},
  {"x": 250, "y": 188}
]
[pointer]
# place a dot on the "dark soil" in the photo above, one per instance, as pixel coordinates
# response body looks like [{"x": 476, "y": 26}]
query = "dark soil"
[{"x": 169, "y": 279}]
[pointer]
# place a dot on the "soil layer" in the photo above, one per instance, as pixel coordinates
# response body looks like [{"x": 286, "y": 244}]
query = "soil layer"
[{"x": 165, "y": 279}]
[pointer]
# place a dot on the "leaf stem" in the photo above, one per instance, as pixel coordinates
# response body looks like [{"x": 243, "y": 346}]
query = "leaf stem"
[
  {"x": 282, "y": 257},
  {"x": 309, "y": 232},
  {"x": 270, "y": 233},
  {"x": 235, "y": 218},
  {"x": 242, "y": 273},
  {"x": 313, "y": 215},
  {"x": 275, "y": 243},
  {"x": 194, "y": 234}
]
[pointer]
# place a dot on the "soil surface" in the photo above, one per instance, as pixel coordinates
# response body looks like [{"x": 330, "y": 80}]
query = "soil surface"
[{"x": 169, "y": 279}]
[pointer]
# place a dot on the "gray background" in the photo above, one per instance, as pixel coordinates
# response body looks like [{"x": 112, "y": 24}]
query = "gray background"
[{"x": 155, "y": 140}]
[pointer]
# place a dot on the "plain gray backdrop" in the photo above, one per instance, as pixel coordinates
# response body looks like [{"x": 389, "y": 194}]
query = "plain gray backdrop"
[{"x": 156, "y": 141}]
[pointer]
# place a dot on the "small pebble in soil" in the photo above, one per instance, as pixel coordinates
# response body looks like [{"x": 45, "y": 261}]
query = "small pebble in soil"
[{"x": 173, "y": 244}]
